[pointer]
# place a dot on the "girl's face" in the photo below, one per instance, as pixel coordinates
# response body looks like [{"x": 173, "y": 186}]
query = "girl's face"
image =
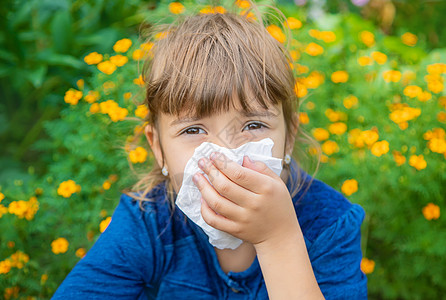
[{"x": 178, "y": 138}]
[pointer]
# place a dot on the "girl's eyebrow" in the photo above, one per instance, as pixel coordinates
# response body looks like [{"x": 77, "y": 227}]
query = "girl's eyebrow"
[{"x": 245, "y": 114}]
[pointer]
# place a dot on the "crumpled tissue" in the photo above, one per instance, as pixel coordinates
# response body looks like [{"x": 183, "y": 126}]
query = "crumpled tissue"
[{"x": 188, "y": 198}]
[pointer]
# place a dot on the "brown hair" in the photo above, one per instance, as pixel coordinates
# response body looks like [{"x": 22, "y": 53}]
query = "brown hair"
[{"x": 204, "y": 62}]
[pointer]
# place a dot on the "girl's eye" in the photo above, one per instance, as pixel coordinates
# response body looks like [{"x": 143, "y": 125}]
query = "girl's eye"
[
  {"x": 255, "y": 125},
  {"x": 192, "y": 130}
]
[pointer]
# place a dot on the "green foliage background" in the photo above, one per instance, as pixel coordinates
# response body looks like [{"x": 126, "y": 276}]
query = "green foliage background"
[{"x": 46, "y": 141}]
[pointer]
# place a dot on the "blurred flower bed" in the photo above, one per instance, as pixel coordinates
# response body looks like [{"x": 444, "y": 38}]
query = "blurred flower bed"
[{"x": 376, "y": 104}]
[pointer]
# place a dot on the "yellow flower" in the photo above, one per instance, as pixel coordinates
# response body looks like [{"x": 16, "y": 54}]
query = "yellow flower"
[
  {"x": 139, "y": 81},
  {"x": 435, "y": 86},
  {"x": 327, "y": 36},
  {"x": 431, "y": 211},
  {"x": 176, "y": 8},
  {"x": 107, "y": 67},
  {"x": 92, "y": 96},
  {"x": 3, "y": 210},
  {"x": 104, "y": 224},
  {"x": 18, "y": 208},
  {"x": 81, "y": 252},
  {"x": 367, "y": 265},
  {"x": 438, "y": 133},
  {"x": 380, "y": 148},
  {"x": 2, "y": 196},
  {"x": 119, "y": 60},
  {"x": 59, "y": 245},
  {"x": 94, "y": 108},
  {"x": 303, "y": 118},
  {"x": 369, "y": 136},
  {"x": 276, "y": 33},
  {"x": 379, "y": 57},
  {"x": 417, "y": 162},
  {"x": 441, "y": 116},
  {"x": 33, "y": 207},
  {"x": 349, "y": 187},
  {"x": 320, "y": 134},
  {"x": 367, "y": 38},
  {"x": 437, "y": 68},
  {"x": 300, "y": 90},
  {"x": 337, "y": 128},
  {"x": 122, "y": 45},
  {"x": 127, "y": 95},
  {"x": 93, "y": 58},
  {"x": 138, "y": 54},
  {"x": 409, "y": 39},
  {"x": 365, "y": 61},
  {"x": 293, "y": 23},
  {"x": 106, "y": 185},
  {"x": 141, "y": 111},
  {"x": 339, "y": 76},
  {"x": 330, "y": 147},
  {"x": 399, "y": 158},
  {"x": 138, "y": 155},
  {"x": 67, "y": 188},
  {"x": 72, "y": 96},
  {"x": 243, "y": 4},
  {"x": 335, "y": 116},
  {"x": 350, "y": 101},
  {"x": 314, "y": 49},
  {"x": 314, "y": 80},
  {"x": 108, "y": 106},
  {"x": 392, "y": 76},
  {"x": 437, "y": 145},
  {"x": 213, "y": 10},
  {"x": 424, "y": 96},
  {"x": 404, "y": 114},
  {"x": 118, "y": 114},
  {"x": 412, "y": 91},
  {"x": 80, "y": 84},
  {"x": 5, "y": 266}
]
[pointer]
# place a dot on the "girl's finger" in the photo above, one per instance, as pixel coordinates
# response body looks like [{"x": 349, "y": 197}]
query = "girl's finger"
[
  {"x": 215, "y": 201},
  {"x": 215, "y": 220},
  {"x": 248, "y": 178}
]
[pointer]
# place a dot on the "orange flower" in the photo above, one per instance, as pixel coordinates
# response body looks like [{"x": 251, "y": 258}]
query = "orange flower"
[
  {"x": 441, "y": 117},
  {"x": 119, "y": 60},
  {"x": 94, "y": 108},
  {"x": 141, "y": 111},
  {"x": 303, "y": 118},
  {"x": 213, "y": 10},
  {"x": 93, "y": 58},
  {"x": 104, "y": 224},
  {"x": 399, "y": 158},
  {"x": 431, "y": 212},
  {"x": 92, "y": 96},
  {"x": 122, "y": 45},
  {"x": 118, "y": 114},
  {"x": 276, "y": 33},
  {"x": 330, "y": 147},
  {"x": 300, "y": 90},
  {"x": 409, "y": 39},
  {"x": 435, "y": 86},
  {"x": 293, "y": 23},
  {"x": 243, "y": 4},
  {"x": 349, "y": 187},
  {"x": 392, "y": 76},
  {"x": 350, "y": 101},
  {"x": 365, "y": 61},
  {"x": 367, "y": 265},
  {"x": 380, "y": 148},
  {"x": 437, "y": 145},
  {"x": 314, "y": 80},
  {"x": 72, "y": 96},
  {"x": 81, "y": 252},
  {"x": 379, "y": 57},
  {"x": 412, "y": 91},
  {"x": 5, "y": 266},
  {"x": 437, "y": 68},
  {"x": 337, "y": 128},
  {"x": 417, "y": 162},
  {"x": 314, "y": 49},
  {"x": 424, "y": 96},
  {"x": 320, "y": 134},
  {"x": 367, "y": 38},
  {"x": 176, "y": 8},
  {"x": 138, "y": 54},
  {"x": 139, "y": 81},
  {"x": 339, "y": 76},
  {"x": 59, "y": 245},
  {"x": 67, "y": 188},
  {"x": 106, "y": 185},
  {"x": 138, "y": 155},
  {"x": 107, "y": 67}
]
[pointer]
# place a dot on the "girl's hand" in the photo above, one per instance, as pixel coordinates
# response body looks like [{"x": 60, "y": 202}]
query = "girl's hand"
[{"x": 249, "y": 202}]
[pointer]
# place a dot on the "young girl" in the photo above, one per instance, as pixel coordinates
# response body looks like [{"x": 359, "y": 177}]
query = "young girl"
[{"x": 222, "y": 78}]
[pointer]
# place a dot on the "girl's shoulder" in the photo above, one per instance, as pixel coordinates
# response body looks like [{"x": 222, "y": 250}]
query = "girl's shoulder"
[{"x": 319, "y": 206}]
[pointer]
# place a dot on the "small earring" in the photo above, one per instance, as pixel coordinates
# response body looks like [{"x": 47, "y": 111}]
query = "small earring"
[
  {"x": 287, "y": 159},
  {"x": 164, "y": 171}
]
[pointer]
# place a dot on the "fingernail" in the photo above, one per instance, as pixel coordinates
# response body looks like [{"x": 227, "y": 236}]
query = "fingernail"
[
  {"x": 196, "y": 179},
  {"x": 249, "y": 160},
  {"x": 213, "y": 156}
]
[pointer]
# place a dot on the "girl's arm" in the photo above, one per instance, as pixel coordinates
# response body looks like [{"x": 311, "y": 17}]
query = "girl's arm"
[{"x": 252, "y": 203}]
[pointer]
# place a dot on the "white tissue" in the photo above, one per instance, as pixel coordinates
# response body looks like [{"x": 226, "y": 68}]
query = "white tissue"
[{"x": 188, "y": 198}]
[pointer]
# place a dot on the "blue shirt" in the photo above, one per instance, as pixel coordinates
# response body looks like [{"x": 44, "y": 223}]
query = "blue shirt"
[{"x": 158, "y": 254}]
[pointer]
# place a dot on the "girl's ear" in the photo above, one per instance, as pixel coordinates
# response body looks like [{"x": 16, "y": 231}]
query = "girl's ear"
[
  {"x": 292, "y": 134},
  {"x": 152, "y": 137}
]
